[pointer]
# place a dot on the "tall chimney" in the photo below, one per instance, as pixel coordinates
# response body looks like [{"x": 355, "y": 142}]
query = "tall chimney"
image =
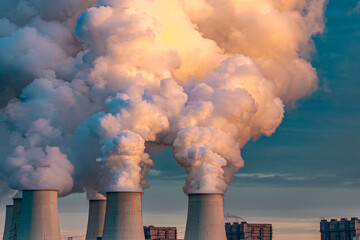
[
  {"x": 205, "y": 220},
  {"x": 39, "y": 215},
  {"x": 15, "y": 221},
  {"x": 96, "y": 219},
  {"x": 8, "y": 220},
  {"x": 123, "y": 218}
]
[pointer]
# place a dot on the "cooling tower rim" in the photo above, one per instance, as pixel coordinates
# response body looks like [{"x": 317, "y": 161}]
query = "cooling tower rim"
[
  {"x": 124, "y": 192},
  {"x": 40, "y": 190},
  {"x": 202, "y": 194}
]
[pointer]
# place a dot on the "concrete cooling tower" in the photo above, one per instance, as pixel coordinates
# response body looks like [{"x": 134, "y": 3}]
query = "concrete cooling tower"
[
  {"x": 96, "y": 219},
  {"x": 15, "y": 221},
  {"x": 123, "y": 218},
  {"x": 205, "y": 220},
  {"x": 39, "y": 216},
  {"x": 8, "y": 220}
]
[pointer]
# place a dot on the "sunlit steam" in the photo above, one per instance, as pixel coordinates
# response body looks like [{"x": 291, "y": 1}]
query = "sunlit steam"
[{"x": 87, "y": 85}]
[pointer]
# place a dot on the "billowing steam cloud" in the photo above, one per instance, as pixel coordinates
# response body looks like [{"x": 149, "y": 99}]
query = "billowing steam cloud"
[
  {"x": 233, "y": 104},
  {"x": 204, "y": 76}
]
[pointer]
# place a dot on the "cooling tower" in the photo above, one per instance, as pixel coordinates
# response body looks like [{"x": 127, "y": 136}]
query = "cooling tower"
[
  {"x": 39, "y": 216},
  {"x": 205, "y": 220},
  {"x": 8, "y": 220},
  {"x": 15, "y": 221},
  {"x": 123, "y": 218},
  {"x": 96, "y": 219}
]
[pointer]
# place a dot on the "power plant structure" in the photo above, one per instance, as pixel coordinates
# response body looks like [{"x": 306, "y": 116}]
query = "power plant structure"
[
  {"x": 244, "y": 230},
  {"x": 96, "y": 219},
  {"x": 160, "y": 233},
  {"x": 35, "y": 217},
  {"x": 205, "y": 219},
  {"x": 39, "y": 218},
  {"x": 340, "y": 230},
  {"x": 8, "y": 220},
  {"x": 15, "y": 219},
  {"x": 123, "y": 217}
]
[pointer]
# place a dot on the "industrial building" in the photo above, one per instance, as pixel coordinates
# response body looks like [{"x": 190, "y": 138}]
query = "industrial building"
[
  {"x": 244, "y": 230},
  {"x": 340, "y": 230},
  {"x": 160, "y": 233},
  {"x": 155, "y": 233}
]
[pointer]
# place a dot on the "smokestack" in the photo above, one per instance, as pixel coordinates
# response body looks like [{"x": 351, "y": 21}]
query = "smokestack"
[
  {"x": 96, "y": 219},
  {"x": 123, "y": 219},
  {"x": 15, "y": 221},
  {"x": 8, "y": 220},
  {"x": 39, "y": 215},
  {"x": 205, "y": 220}
]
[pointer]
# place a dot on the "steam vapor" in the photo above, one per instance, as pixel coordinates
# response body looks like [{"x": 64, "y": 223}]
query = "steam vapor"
[{"x": 85, "y": 86}]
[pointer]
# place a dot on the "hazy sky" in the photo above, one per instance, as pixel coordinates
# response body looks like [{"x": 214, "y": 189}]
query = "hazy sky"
[{"x": 307, "y": 170}]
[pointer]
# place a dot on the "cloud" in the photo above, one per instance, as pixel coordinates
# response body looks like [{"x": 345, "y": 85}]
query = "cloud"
[{"x": 133, "y": 74}]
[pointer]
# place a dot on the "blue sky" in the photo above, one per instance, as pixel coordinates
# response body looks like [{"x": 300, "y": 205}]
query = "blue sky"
[{"x": 308, "y": 169}]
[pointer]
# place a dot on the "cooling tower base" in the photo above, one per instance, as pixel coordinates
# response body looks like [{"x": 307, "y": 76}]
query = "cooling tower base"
[
  {"x": 39, "y": 218},
  {"x": 8, "y": 220},
  {"x": 96, "y": 219},
  {"x": 15, "y": 221},
  {"x": 205, "y": 220},
  {"x": 123, "y": 218}
]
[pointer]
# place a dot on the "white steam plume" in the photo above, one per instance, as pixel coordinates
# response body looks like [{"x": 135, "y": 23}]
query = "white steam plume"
[
  {"x": 35, "y": 39},
  {"x": 276, "y": 34},
  {"x": 36, "y": 48},
  {"x": 232, "y": 105},
  {"x": 204, "y": 76}
]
